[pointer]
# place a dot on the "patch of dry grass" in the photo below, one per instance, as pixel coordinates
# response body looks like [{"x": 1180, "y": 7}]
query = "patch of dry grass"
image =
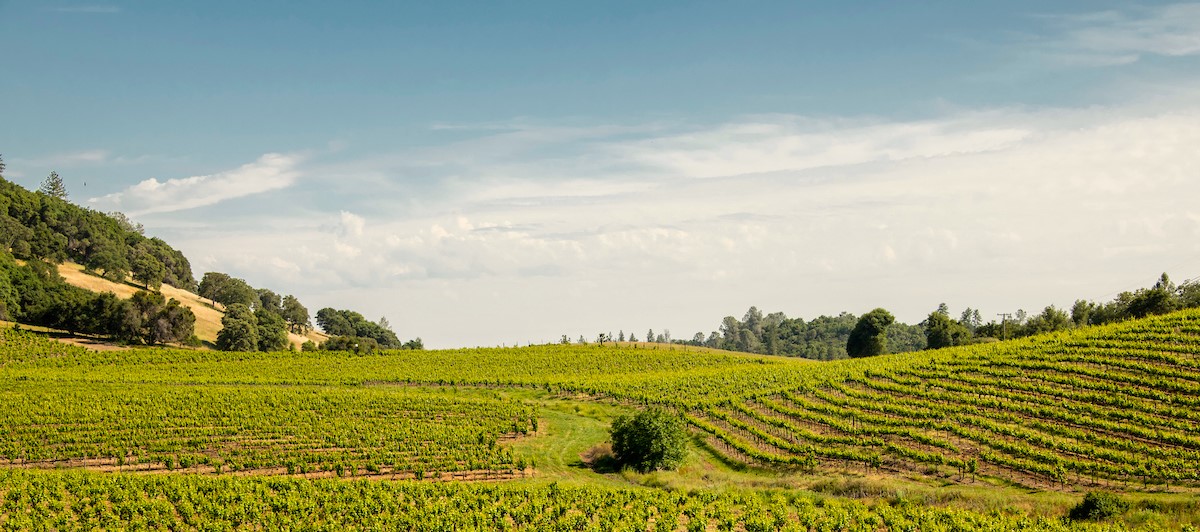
[{"x": 208, "y": 314}]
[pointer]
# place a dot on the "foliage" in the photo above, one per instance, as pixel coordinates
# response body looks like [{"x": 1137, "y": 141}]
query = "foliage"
[
  {"x": 1099, "y": 505},
  {"x": 46, "y": 226},
  {"x": 941, "y": 331},
  {"x": 352, "y": 324},
  {"x": 148, "y": 317},
  {"x": 1110, "y": 405},
  {"x": 272, "y": 331},
  {"x": 228, "y": 291},
  {"x": 53, "y": 186},
  {"x": 823, "y": 338},
  {"x": 653, "y": 439},
  {"x": 239, "y": 329},
  {"x": 69, "y": 500},
  {"x": 296, "y": 315},
  {"x": 869, "y": 337},
  {"x": 351, "y": 344},
  {"x": 35, "y": 294}
]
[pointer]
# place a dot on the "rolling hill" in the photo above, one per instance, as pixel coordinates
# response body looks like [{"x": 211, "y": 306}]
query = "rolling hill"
[
  {"x": 208, "y": 314},
  {"x": 1004, "y": 435}
]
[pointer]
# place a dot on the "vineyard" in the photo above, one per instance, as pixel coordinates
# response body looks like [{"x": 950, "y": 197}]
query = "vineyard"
[
  {"x": 81, "y": 500},
  {"x": 1113, "y": 407},
  {"x": 264, "y": 436}
]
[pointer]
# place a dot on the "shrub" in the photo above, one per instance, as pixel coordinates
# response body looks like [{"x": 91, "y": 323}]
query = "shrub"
[
  {"x": 1098, "y": 505},
  {"x": 653, "y": 439}
]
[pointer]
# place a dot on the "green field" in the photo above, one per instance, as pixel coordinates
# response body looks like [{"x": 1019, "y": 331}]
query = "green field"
[{"x": 993, "y": 436}]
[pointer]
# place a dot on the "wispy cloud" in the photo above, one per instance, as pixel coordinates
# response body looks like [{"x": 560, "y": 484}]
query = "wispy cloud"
[
  {"x": 272, "y": 171},
  {"x": 88, "y": 157},
  {"x": 785, "y": 212},
  {"x": 1122, "y": 37}
]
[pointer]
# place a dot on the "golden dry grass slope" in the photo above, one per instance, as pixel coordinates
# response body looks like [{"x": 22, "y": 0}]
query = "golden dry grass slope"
[{"x": 208, "y": 315}]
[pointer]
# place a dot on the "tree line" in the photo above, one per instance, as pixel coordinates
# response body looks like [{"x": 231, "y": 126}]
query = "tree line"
[
  {"x": 35, "y": 293},
  {"x": 351, "y": 331},
  {"x": 877, "y": 332},
  {"x": 1160, "y": 298},
  {"x": 43, "y": 225},
  {"x": 41, "y": 229},
  {"x": 258, "y": 319},
  {"x": 822, "y": 338}
]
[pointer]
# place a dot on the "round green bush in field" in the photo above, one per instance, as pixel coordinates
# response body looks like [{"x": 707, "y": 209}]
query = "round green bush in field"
[
  {"x": 1098, "y": 505},
  {"x": 655, "y": 438}
]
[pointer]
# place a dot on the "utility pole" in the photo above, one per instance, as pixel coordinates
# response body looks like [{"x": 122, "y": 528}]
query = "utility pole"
[{"x": 1004, "y": 316}]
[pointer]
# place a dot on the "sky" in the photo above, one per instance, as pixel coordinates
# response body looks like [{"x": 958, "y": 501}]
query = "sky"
[{"x": 502, "y": 173}]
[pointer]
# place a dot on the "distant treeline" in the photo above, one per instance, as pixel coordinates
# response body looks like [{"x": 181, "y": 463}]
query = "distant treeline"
[
  {"x": 941, "y": 330},
  {"x": 826, "y": 337},
  {"x": 823, "y": 338}
]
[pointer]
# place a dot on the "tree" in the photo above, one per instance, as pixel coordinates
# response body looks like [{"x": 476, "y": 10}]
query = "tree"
[
  {"x": 272, "y": 331},
  {"x": 212, "y": 284},
  {"x": 126, "y": 224},
  {"x": 53, "y": 186},
  {"x": 415, "y": 344},
  {"x": 650, "y": 335},
  {"x": 869, "y": 337},
  {"x": 1081, "y": 312},
  {"x": 174, "y": 323},
  {"x": 1051, "y": 319},
  {"x": 941, "y": 331},
  {"x": 226, "y": 290},
  {"x": 147, "y": 270},
  {"x": 971, "y": 319},
  {"x": 269, "y": 301},
  {"x": 239, "y": 329},
  {"x": 1189, "y": 294},
  {"x": 296, "y": 315},
  {"x": 109, "y": 261},
  {"x": 2, "y": 164},
  {"x": 653, "y": 439},
  {"x": 1160, "y": 299},
  {"x": 147, "y": 317},
  {"x": 334, "y": 323}
]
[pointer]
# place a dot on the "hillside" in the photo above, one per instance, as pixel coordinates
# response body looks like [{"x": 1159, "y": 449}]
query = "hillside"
[
  {"x": 1111, "y": 407},
  {"x": 208, "y": 315}
]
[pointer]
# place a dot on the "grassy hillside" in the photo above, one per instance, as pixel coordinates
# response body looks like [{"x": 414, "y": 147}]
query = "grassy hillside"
[
  {"x": 208, "y": 314},
  {"x": 1098, "y": 408}
]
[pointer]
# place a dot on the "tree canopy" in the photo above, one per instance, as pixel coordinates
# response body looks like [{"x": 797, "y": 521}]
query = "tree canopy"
[
  {"x": 43, "y": 225},
  {"x": 869, "y": 337},
  {"x": 653, "y": 439}
]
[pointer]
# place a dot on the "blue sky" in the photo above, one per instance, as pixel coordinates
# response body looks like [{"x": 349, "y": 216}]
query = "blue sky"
[{"x": 487, "y": 173}]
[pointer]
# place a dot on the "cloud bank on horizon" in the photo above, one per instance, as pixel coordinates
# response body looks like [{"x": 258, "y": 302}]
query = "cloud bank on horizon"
[
  {"x": 521, "y": 230},
  {"x": 1019, "y": 207}
]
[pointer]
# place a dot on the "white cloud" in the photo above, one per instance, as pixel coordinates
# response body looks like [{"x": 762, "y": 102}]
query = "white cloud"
[
  {"x": 1122, "y": 37},
  {"x": 999, "y": 209},
  {"x": 351, "y": 225},
  {"x": 272, "y": 171}
]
